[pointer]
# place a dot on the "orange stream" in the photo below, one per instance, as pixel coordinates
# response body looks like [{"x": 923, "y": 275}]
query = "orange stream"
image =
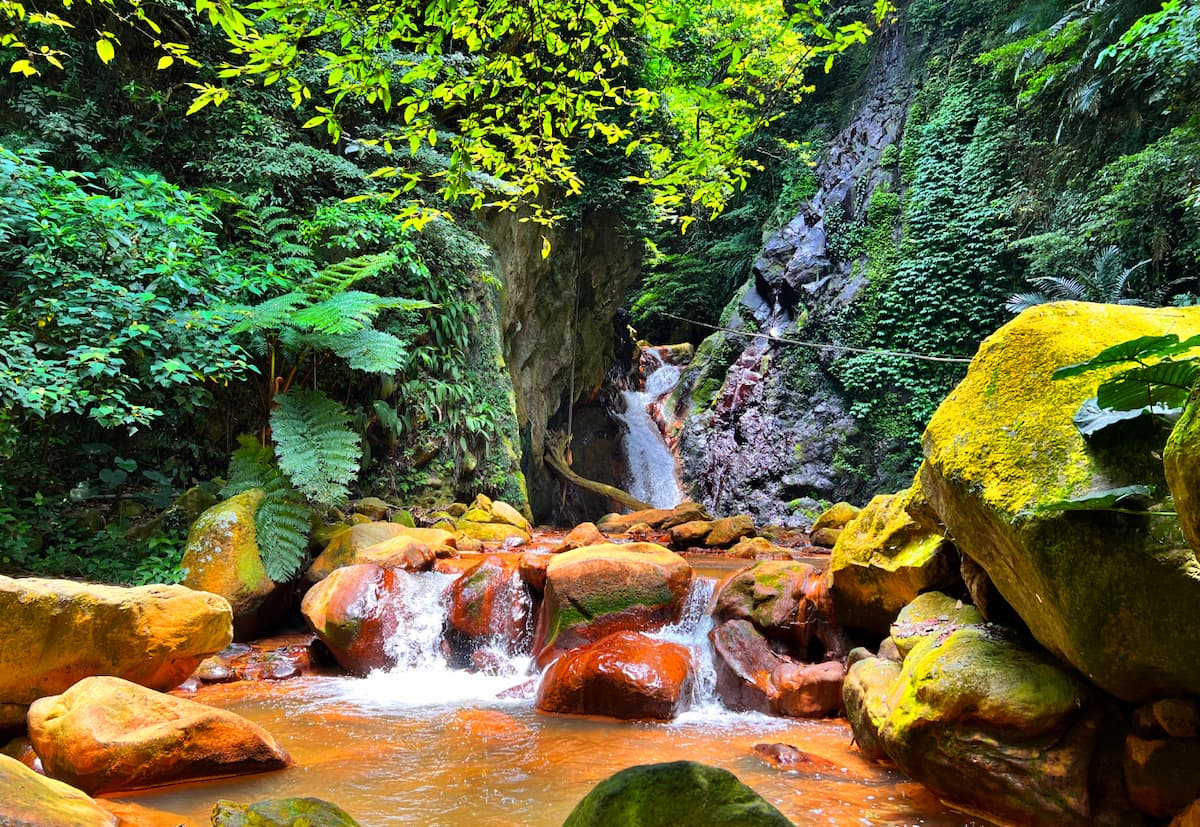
[{"x": 502, "y": 764}]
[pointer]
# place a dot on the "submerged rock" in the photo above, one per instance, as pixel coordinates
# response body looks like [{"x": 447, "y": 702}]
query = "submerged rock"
[
  {"x": 1114, "y": 595},
  {"x": 281, "y": 812},
  {"x": 106, "y": 734},
  {"x": 32, "y": 800},
  {"x": 624, "y": 675},
  {"x": 59, "y": 631},
  {"x": 669, "y": 795},
  {"x": 594, "y": 591},
  {"x": 883, "y": 559}
]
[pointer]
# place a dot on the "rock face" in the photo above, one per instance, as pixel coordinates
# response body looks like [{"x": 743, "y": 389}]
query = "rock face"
[
  {"x": 59, "y": 631},
  {"x": 1111, "y": 594},
  {"x": 106, "y": 735},
  {"x": 390, "y": 545},
  {"x": 32, "y": 800},
  {"x": 594, "y": 591},
  {"x": 667, "y": 795},
  {"x": 222, "y": 557},
  {"x": 355, "y": 611},
  {"x": 281, "y": 812},
  {"x": 1181, "y": 463},
  {"x": 883, "y": 559},
  {"x": 625, "y": 675},
  {"x": 993, "y": 726},
  {"x": 786, "y": 601}
]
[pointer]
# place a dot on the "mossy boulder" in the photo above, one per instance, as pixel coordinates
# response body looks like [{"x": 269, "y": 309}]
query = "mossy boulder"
[
  {"x": 667, "y": 795},
  {"x": 378, "y": 543},
  {"x": 993, "y": 726},
  {"x": 222, "y": 557},
  {"x": 884, "y": 558},
  {"x": 32, "y": 800},
  {"x": 930, "y": 615},
  {"x": 1181, "y": 463},
  {"x": 1114, "y": 595},
  {"x": 502, "y": 533},
  {"x": 281, "y": 812},
  {"x": 594, "y": 591},
  {"x": 836, "y": 517}
]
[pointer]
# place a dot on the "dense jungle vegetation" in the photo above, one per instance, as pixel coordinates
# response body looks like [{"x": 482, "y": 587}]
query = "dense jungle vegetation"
[{"x": 255, "y": 231}]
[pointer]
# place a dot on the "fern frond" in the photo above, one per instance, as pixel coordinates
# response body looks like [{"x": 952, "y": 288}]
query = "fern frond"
[
  {"x": 281, "y": 525},
  {"x": 337, "y": 278},
  {"x": 350, "y": 311},
  {"x": 370, "y": 350},
  {"x": 251, "y": 466},
  {"x": 1023, "y": 301},
  {"x": 269, "y": 315},
  {"x": 315, "y": 446}
]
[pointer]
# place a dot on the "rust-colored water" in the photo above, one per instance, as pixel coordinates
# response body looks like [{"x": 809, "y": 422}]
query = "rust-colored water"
[{"x": 500, "y": 763}]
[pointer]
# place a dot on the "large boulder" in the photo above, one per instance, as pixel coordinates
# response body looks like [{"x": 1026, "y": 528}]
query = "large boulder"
[
  {"x": 59, "y": 631},
  {"x": 625, "y": 675},
  {"x": 594, "y": 591},
  {"x": 884, "y": 558},
  {"x": 28, "y": 799},
  {"x": 787, "y": 601},
  {"x": 752, "y": 675},
  {"x": 222, "y": 557},
  {"x": 281, "y": 812},
  {"x": 355, "y": 611},
  {"x": 994, "y": 727},
  {"x": 106, "y": 734},
  {"x": 1112, "y": 594},
  {"x": 667, "y": 795},
  {"x": 390, "y": 545},
  {"x": 490, "y": 605}
]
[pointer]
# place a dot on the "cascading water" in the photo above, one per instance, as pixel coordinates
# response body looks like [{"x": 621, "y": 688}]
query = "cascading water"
[
  {"x": 691, "y": 630},
  {"x": 652, "y": 478}
]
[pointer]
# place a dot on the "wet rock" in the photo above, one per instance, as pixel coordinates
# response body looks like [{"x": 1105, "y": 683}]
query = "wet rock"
[
  {"x": 106, "y": 734},
  {"x": 992, "y": 726},
  {"x": 1163, "y": 775},
  {"x": 1003, "y": 445},
  {"x": 930, "y": 615},
  {"x": 691, "y": 534},
  {"x": 883, "y": 559},
  {"x": 751, "y": 675},
  {"x": 728, "y": 530},
  {"x": 624, "y": 675},
  {"x": 503, "y": 533},
  {"x": 486, "y": 510},
  {"x": 836, "y": 517},
  {"x": 660, "y": 519},
  {"x": 752, "y": 548},
  {"x": 356, "y": 611},
  {"x": 787, "y": 757},
  {"x": 787, "y": 601},
  {"x": 372, "y": 508},
  {"x": 380, "y": 543},
  {"x": 594, "y": 591},
  {"x": 826, "y": 537},
  {"x": 32, "y": 800},
  {"x": 489, "y": 604},
  {"x": 584, "y": 534},
  {"x": 1175, "y": 717},
  {"x": 533, "y": 571},
  {"x": 281, "y": 812},
  {"x": 59, "y": 631},
  {"x": 222, "y": 557},
  {"x": 1190, "y": 817},
  {"x": 668, "y": 795},
  {"x": 268, "y": 660}
]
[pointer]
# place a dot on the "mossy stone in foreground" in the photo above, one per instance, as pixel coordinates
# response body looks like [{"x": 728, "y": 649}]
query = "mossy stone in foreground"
[
  {"x": 668, "y": 795},
  {"x": 281, "y": 812}
]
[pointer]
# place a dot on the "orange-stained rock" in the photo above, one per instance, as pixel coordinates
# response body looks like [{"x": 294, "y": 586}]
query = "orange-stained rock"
[
  {"x": 787, "y": 601},
  {"x": 533, "y": 571},
  {"x": 354, "y": 545},
  {"x": 691, "y": 534},
  {"x": 624, "y": 675},
  {"x": 106, "y": 734},
  {"x": 490, "y": 605},
  {"x": 58, "y": 631},
  {"x": 222, "y": 557},
  {"x": 752, "y": 675},
  {"x": 401, "y": 552},
  {"x": 594, "y": 591},
  {"x": 728, "y": 530},
  {"x": 584, "y": 534},
  {"x": 135, "y": 815},
  {"x": 659, "y": 519},
  {"x": 28, "y": 799},
  {"x": 355, "y": 611}
]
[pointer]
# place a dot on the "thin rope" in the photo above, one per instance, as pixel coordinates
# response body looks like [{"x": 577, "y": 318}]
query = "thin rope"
[{"x": 820, "y": 346}]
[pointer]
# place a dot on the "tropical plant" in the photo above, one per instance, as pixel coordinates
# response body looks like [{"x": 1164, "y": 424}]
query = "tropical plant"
[{"x": 1106, "y": 284}]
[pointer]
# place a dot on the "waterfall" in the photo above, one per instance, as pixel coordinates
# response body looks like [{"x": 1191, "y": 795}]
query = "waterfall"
[
  {"x": 691, "y": 630},
  {"x": 652, "y": 477}
]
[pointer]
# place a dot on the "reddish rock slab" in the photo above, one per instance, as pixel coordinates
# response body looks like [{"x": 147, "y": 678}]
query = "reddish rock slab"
[
  {"x": 660, "y": 519},
  {"x": 533, "y": 571},
  {"x": 787, "y": 757},
  {"x": 584, "y": 534},
  {"x": 490, "y": 604},
  {"x": 753, "y": 676},
  {"x": 107, "y": 734},
  {"x": 356, "y": 611},
  {"x": 625, "y": 675}
]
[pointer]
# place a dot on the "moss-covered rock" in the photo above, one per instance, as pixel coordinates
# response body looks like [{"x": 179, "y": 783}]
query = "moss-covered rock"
[
  {"x": 667, "y": 795},
  {"x": 32, "y": 800},
  {"x": 836, "y": 517},
  {"x": 377, "y": 542},
  {"x": 281, "y": 812},
  {"x": 1112, "y": 594},
  {"x": 787, "y": 601},
  {"x": 1181, "y": 463},
  {"x": 865, "y": 695},
  {"x": 929, "y": 615},
  {"x": 222, "y": 557},
  {"x": 492, "y": 532},
  {"x": 883, "y": 559}
]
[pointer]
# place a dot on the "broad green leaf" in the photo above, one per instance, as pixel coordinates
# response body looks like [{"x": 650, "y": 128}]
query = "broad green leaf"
[
  {"x": 1090, "y": 419},
  {"x": 1127, "y": 496},
  {"x": 1131, "y": 351},
  {"x": 1164, "y": 384}
]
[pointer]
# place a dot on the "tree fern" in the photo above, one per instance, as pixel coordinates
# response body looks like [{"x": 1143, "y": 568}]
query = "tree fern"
[
  {"x": 315, "y": 446},
  {"x": 371, "y": 351},
  {"x": 341, "y": 275},
  {"x": 251, "y": 465},
  {"x": 350, "y": 311},
  {"x": 271, "y": 314}
]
